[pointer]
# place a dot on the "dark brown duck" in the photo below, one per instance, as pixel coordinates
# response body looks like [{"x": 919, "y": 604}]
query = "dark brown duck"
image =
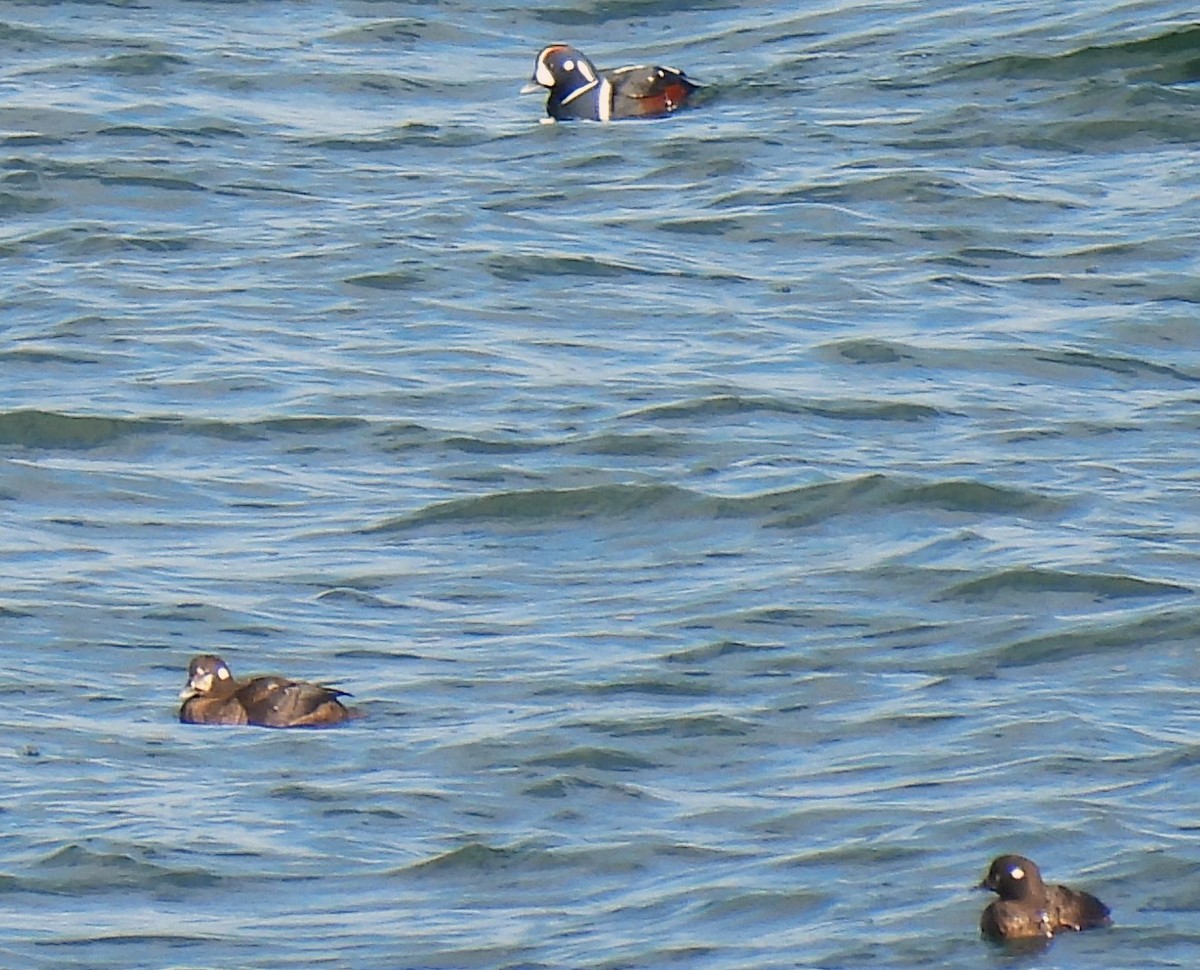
[
  {"x": 212, "y": 696},
  {"x": 1028, "y": 908}
]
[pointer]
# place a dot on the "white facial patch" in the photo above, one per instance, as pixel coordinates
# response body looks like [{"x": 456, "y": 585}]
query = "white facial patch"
[
  {"x": 568, "y": 65},
  {"x": 543, "y": 75},
  {"x": 1017, "y": 872},
  {"x": 223, "y": 673},
  {"x": 585, "y": 69}
]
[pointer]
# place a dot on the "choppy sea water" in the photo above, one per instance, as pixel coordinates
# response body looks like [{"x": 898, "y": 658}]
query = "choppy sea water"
[{"x": 738, "y": 528}]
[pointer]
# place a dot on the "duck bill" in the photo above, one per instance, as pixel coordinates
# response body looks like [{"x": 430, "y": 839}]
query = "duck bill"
[
  {"x": 188, "y": 693},
  {"x": 531, "y": 87}
]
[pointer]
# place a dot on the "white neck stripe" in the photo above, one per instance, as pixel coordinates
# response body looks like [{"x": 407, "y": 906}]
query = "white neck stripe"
[{"x": 578, "y": 91}]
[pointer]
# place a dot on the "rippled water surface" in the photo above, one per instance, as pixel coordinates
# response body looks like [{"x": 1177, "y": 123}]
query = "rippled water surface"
[{"x": 738, "y": 528}]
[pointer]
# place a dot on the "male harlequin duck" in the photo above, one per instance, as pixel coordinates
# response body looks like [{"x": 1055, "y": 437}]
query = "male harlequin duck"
[
  {"x": 1028, "y": 908},
  {"x": 579, "y": 90},
  {"x": 212, "y": 696}
]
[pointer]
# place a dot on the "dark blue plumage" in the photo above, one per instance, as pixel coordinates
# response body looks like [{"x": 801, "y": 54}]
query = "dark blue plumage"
[{"x": 578, "y": 90}]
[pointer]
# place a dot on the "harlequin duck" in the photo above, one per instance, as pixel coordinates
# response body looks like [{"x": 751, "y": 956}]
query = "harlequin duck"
[
  {"x": 579, "y": 90},
  {"x": 212, "y": 696},
  {"x": 1027, "y": 907}
]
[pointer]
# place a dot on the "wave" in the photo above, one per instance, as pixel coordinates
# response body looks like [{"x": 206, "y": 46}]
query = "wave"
[
  {"x": 1116, "y": 639},
  {"x": 34, "y": 428},
  {"x": 75, "y": 869},
  {"x": 1018, "y": 360},
  {"x": 719, "y": 405},
  {"x": 1095, "y": 586},
  {"x": 1172, "y": 57},
  {"x": 787, "y": 508}
]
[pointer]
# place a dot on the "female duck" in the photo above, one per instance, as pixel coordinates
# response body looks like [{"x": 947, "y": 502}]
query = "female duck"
[
  {"x": 1028, "y": 908},
  {"x": 212, "y": 696}
]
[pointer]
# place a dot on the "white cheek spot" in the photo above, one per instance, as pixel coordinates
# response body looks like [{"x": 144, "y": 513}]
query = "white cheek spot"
[
  {"x": 223, "y": 673},
  {"x": 1017, "y": 872},
  {"x": 568, "y": 65}
]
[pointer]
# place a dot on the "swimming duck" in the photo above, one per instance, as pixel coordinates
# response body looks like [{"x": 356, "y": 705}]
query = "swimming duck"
[
  {"x": 579, "y": 90},
  {"x": 1028, "y": 908},
  {"x": 212, "y": 696}
]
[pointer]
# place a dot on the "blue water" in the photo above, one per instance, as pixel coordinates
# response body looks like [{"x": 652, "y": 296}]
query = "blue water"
[{"x": 738, "y": 528}]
